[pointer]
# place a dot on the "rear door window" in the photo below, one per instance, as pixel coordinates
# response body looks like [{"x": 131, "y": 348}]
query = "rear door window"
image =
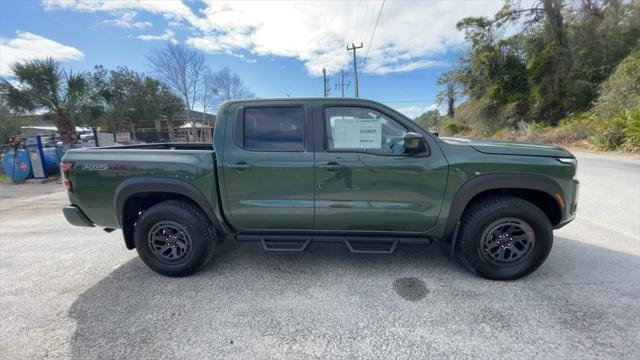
[{"x": 274, "y": 129}]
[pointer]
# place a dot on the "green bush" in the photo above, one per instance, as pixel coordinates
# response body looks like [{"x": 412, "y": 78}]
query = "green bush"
[
  {"x": 9, "y": 124},
  {"x": 570, "y": 133},
  {"x": 632, "y": 130},
  {"x": 449, "y": 128},
  {"x": 621, "y": 131},
  {"x": 621, "y": 90}
]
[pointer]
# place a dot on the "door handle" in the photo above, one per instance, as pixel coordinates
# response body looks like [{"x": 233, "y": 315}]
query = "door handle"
[
  {"x": 332, "y": 166},
  {"x": 240, "y": 166}
]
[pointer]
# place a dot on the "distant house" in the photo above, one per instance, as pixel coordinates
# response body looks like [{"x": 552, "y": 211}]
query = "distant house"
[
  {"x": 196, "y": 116},
  {"x": 42, "y": 124}
]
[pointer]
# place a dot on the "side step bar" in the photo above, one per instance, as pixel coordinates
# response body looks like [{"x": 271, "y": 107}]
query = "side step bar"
[
  {"x": 375, "y": 247},
  {"x": 292, "y": 245},
  {"x": 356, "y": 245}
]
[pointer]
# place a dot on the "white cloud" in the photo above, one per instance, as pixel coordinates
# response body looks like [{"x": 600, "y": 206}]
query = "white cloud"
[
  {"x": 167, "y": 36},
  {"x": 126, "y": 20},
  {"x": 26, "y": 46},
  {"x": 410, "y": 35},
  {"x": 170, "y": 9},
  {"x": 415, "y": 111}
]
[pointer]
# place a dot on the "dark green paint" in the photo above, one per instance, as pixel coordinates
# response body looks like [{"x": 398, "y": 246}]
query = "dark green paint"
[{"x": 291, "y": 191}]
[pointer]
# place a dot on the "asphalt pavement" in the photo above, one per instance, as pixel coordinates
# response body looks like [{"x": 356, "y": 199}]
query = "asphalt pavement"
[{"x": 68, "y": 292}]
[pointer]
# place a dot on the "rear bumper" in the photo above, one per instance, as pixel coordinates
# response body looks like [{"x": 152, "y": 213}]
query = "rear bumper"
[{"x": 75, "y": 216}]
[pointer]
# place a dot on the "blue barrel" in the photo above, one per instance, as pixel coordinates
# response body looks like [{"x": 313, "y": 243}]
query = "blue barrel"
[
  {"x": 17, "y": 165},
  {"x": 51, "y": 161}
]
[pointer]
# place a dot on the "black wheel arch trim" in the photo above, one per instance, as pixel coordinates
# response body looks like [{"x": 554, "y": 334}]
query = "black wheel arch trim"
[
  {"x": 489, "y": 182},
  {"x": 140, "y": 185}
]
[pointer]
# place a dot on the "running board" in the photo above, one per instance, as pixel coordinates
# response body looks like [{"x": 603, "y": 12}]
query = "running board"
[
  {"x": 371, "y": 247},
  {"x": 291, "y": 245},
  {"x": 356, "y": 245}
]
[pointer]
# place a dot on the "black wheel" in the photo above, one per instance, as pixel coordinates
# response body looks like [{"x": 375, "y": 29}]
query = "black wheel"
[
  {"x": 504, "y": 238},
  {"x": 174, "y": 238}
]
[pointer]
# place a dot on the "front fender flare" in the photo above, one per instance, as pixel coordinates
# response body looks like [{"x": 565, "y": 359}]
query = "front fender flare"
[{"x": 488, "y": 182}]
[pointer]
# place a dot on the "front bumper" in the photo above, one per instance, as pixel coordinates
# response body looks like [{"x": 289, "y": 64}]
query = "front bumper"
[
  {"x": 75, "y": 216},
  {"x": 572, "y": 205}
]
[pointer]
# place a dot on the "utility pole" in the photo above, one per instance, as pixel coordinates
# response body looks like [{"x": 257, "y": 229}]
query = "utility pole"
[
  {"x": 324, "y": 81},
  {"x": 355, "y": 64},
  {"x": 342, "y": 84}
]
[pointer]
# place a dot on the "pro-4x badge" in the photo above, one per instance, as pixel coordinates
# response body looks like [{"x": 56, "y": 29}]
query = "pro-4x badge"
[{"x": 95, "y": 167}]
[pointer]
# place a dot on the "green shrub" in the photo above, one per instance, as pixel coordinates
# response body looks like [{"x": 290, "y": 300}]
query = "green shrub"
[
  {"x": 568, "y": 134},
  {"x": 621, "y": 90},
  {"x": 500, "y": 134},
  {"x": 576, "y": 118},
  {"x": 572, "y": 130},
  {"x": 621, "y": 131},
  {"x": 449, "y": 128},
  {"x": 632, "y": 131}
]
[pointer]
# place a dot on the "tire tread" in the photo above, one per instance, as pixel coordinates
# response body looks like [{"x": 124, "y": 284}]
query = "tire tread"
[
  {"x": 477, "y": 212},
  {"x": 202, "y": 223}
]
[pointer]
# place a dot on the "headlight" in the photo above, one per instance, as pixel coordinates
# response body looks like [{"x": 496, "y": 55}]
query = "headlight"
[{"x": 568, "y": 161}]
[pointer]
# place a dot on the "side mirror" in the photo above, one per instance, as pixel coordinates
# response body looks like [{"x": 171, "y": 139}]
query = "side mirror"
[{"x": 414, "y": 143}]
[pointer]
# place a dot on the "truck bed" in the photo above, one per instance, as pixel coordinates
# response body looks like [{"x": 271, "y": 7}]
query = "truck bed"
[
  {"x": 98, "y": 172},
  {"x": 162, "y": 146}
]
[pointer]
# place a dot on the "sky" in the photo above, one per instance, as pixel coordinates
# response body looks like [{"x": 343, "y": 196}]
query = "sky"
[{"x": 278, "y": 48}]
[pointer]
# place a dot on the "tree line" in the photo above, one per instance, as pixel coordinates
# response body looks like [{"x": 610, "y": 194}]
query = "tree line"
[
  {"x": 540, "y": 63},
  {"x": 119, "y": 98}
]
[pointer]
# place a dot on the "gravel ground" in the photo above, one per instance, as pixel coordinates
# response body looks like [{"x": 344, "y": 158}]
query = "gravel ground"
[{"x": 69, "y": 292}]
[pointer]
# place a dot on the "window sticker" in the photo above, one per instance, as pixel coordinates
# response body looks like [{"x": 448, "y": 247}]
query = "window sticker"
[{"x": 354, "y": 133}]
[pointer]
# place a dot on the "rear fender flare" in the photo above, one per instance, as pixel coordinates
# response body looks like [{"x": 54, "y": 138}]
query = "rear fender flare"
[{"x": 135, "y": 186}]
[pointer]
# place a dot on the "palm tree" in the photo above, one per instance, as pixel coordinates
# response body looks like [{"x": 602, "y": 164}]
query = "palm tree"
[{"x": 41, "y": 84}]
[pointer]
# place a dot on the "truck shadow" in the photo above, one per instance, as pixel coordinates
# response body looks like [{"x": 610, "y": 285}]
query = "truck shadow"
[{"x": 247, "y": 301}]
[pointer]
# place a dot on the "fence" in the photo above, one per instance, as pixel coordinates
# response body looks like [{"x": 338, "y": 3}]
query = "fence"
[{"x": 200, "y": 134}]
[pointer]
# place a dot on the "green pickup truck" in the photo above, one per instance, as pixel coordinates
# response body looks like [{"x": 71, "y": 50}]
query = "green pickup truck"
[{"x": 290, "y": 172}]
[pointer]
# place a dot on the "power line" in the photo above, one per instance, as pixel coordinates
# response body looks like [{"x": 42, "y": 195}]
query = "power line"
[
  {"x": 372, "y": 34},
  {"x": 357, "y": 16}
]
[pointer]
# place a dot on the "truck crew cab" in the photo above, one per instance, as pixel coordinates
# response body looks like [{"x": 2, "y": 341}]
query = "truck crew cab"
[{"x": 290, "y": 172}]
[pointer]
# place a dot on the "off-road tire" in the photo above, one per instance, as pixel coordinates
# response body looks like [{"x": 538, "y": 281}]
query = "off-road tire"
[
  {"x": 192, "y": 223},
  {"x": 482, "y": 215}
]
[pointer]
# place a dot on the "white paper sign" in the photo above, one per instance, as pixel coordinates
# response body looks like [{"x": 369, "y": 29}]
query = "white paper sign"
[
  {"x": 123, "y": 137},
  {"x": 354, "y": 133}
]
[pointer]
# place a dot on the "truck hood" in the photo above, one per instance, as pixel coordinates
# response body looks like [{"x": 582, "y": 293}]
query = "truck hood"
[{"x": 500, "y": 147}]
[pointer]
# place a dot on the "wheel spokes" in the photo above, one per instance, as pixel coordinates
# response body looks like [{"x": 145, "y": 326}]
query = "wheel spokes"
[
  {"x": 169, "y": 241},
  {"x": 507, "y": 240}
]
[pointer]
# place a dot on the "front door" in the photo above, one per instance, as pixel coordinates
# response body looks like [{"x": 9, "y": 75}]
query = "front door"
[
  {"x": 365, "y": 182},
  {"x": 268, "y": 168}
]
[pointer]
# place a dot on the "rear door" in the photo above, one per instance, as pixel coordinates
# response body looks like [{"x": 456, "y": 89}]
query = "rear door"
[
  {"x": 365, "y": 182},
  {"x": 268, "y": 167}
]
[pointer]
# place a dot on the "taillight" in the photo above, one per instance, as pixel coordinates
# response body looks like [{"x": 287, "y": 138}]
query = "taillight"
[{"x": 65, "y": 167}]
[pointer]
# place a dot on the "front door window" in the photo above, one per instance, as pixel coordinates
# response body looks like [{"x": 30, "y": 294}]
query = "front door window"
[{"x": 362, "y": 129}]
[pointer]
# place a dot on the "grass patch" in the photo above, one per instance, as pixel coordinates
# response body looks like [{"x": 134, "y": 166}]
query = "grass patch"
[
  {"x": 620, "y": 132},
  {"x": 4, "y": 179}
]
